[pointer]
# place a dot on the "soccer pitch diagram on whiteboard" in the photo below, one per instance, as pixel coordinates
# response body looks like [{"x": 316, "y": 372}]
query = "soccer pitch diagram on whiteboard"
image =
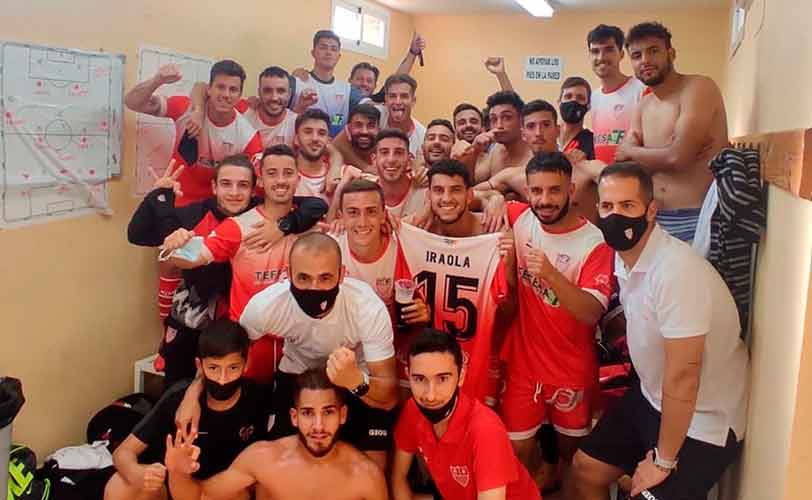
[{"x": 60, "y": 135}]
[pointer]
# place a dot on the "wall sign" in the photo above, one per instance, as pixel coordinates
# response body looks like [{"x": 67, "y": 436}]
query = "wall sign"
[{"x": 543, "y": 68}]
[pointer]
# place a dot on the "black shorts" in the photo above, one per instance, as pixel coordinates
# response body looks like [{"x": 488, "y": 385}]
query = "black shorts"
[
  {"x": 630, "y": 429},
  {"x": 368, "y": 429}
]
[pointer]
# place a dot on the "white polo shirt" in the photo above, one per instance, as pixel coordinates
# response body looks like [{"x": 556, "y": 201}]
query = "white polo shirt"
[
  {"x": 359, "y": 320},
  {"x": 671, "y": 293}
]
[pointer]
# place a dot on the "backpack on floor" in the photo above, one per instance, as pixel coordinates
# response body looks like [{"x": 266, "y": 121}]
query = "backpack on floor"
[
  {"x": 23, "y": 483},
  {"x": 114, "y": 422}
]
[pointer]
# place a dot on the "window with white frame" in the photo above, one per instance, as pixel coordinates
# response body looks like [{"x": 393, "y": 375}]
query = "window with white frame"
[{"x": 362, "y": 27}]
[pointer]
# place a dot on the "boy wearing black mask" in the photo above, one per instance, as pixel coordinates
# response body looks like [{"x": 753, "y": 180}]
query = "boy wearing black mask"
[
  {"x": 573, "y": 105},
  {"x": 235, "y": 413},
  {"x": 462, "y": 441}
]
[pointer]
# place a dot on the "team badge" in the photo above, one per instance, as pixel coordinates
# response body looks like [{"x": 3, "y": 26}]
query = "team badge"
[
  {"x": 383, "y": 286},
  {"x": 460, "y": 474},
  {"x": 618, "y": 110},
  {"x": 171, "y": 333},
  {"x": 246, "y": 433},
  {"x": 562, "y": 262}
]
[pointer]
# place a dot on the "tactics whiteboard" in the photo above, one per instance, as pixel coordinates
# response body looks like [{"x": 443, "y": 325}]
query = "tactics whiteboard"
[
  {"x": 156, "y": 136},
  {"x": 60, "y": 134}
]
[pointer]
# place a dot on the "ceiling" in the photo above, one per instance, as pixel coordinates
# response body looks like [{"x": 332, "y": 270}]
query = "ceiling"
[{"x": 510, "y": 6}]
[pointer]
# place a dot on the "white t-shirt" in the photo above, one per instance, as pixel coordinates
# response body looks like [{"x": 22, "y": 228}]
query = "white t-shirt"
[
  {"x": 671, "y": 293},
  {"x": 612, "y": 116},
  {"x": 415, "y": 199},
  {"x": 281, "y": 133},
  {"x": 416, "y": 136},
  {"x": 359, "y": 320},
  {"x": 335, "y": 98}
]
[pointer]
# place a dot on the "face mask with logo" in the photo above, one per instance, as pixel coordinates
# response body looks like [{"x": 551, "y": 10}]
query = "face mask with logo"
[
  {"x": 190, "y": 251},
  {"x": 222, "y": 392},
  {"x": 572, "y": 111},
  {"x": 437, "y": 415},
  {"x": 314, "y": 302},
  {"x": 621, "y": 232}
]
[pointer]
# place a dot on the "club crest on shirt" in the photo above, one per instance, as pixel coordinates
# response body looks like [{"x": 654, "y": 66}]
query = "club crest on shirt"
[
  {"x": 246, "y": 433},
  {"x": 618, "y": 110},
  {"x": 562, "y": 262},
  {"x": 383, "y": 287},
  {"x": 460, "y": 474}
]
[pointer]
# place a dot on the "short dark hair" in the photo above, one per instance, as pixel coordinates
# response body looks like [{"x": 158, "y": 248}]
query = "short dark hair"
[
  {"x": 431, "y": 340},
  {"x": 360, "y": 186},
  {"x": 603, "y": 32},
  {"x": 451, "y": 168},
  {"x": 311, "y": 114},
  {"x": 325, "y": 34},
  {"x": 315, "y": 379},
  {"x": 366, "y": 109},
  {"x": 237, "y": 160},
  {"x": 388, "y": 133},
  {"x": 367, "y": 66},
  {"x": 229, "y": 68},
  {"x": 539, "y": 105},
  {"x": 278, "y": 150},
  {"x": 400, "y": 78},
  {"x": 443, "y": 122},
  {"x": 576, "y": 81},
  {"x": 549, "y": 162},
  {"x": 508, "y": 97},
  {"x": 466, "y": 107},
  {"x": 486, "y": 117},
  {"x": 274, "y": 71},
  {"x": 649, "y": 30},
  {"x": 630, "y": 169},
  {"x": 221, "y": 338}
]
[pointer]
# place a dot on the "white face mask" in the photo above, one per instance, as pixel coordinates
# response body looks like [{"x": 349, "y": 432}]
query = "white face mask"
[{"x": 190, "y": 251}]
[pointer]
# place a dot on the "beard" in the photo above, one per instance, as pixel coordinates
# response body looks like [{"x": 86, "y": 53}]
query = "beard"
[
  {"x": 562, "y": 212},
  {"x": 310, "y": 156},
  {"x": 317, "y": 453},
  {"x": 356, "y": 142},
  {"x": 659, "y": 77}
]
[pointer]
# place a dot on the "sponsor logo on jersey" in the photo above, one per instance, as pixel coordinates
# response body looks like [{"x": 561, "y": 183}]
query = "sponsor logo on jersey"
[
  {"x": 460, "y": 474},
  {"x": 378, "y": 432}
]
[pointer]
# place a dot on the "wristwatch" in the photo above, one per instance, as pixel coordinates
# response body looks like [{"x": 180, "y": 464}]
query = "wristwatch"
[
  {"x": 285, "y": 224},
  {"x": 662, "y": 463},
  {"x": 363, "y": 388}
]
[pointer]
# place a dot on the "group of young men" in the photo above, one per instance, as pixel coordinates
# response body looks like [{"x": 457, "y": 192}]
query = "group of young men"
[{"x": 351, "y": 296}]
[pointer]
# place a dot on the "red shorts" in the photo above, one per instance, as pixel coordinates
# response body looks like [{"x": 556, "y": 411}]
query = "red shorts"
[
  {"x": 263, "y": 358},
  {"x": 527, "y": 404}
]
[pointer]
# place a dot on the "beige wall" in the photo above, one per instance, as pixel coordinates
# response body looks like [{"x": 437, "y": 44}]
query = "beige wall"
[
  {"x": 77, "y": 305},
  {"x": 458, "y": 46},
  {"x": 767, "y": 90}
]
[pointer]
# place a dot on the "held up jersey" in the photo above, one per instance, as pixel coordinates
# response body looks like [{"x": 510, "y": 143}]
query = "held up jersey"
[
  {"x": 464, "y": 281},
  {"x": 612, "y": 116}
]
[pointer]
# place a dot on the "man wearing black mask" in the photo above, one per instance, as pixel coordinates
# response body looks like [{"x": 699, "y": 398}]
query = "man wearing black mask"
[
  {"x": 573, "y": 105},
  {"x": 235, "y": 413},
  {"x": 462, "y": 441},
  {"x": 690, "y": 406},
  {"x": 323, "y": 315}
]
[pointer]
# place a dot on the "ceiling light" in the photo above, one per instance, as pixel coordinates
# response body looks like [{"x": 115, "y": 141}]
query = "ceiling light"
[{"x": 537, "y": 8}]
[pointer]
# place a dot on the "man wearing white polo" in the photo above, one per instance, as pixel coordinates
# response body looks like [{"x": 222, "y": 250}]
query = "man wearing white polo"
[{"x": 678, "y": 431}]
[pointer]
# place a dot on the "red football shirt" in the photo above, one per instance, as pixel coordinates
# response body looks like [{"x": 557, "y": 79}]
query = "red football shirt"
[
  {"x": 474, "y": 454},
  {"x": 551, "y": 345},
  {"x": 213, "y": 144}
]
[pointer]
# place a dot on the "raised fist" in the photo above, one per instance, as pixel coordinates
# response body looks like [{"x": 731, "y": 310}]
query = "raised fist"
[
  {"x": 169, "y": 73},
  {"x": 495, "y": 65}
]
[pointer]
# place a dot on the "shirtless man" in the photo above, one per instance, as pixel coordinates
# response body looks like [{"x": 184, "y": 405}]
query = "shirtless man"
[
  {"x": 311, "y": 465},
  {"x": 679, "y": 126},
  {"x": 505, "y": 111},
  {"x": 540, "y": 132}
]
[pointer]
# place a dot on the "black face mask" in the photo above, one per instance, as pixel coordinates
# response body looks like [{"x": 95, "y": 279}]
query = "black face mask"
[
  {"x": 435, "y": 416},
  {"x": 222, "y": 392},
  {"x": 621, "y": 232},
  {"x": 314, "y": 302},
  {"x": 572, "y": 111}
]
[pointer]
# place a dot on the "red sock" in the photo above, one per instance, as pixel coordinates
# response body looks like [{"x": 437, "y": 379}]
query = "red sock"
[{"x": 166, "y": 290}]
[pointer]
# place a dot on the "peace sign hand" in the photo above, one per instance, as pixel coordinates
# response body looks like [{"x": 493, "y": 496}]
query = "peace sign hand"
[{"x": 170, "y": 178}]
